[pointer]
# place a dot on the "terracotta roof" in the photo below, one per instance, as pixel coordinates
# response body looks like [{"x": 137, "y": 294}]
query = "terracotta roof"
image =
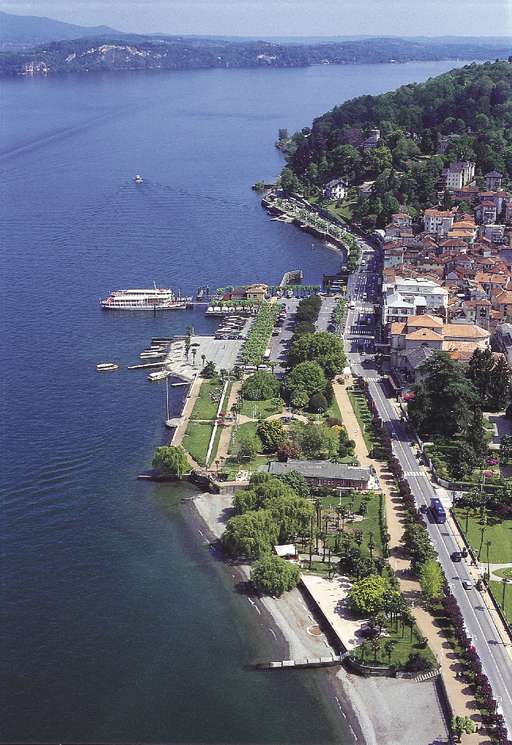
[
  {"x": 397, "y": 327},
  {"x": 424, "y": 335},
  {"x": 493, "y": 279},
  {"x": 425, "y": 321},
  {"x": 437, "y": 213},
  {"x": 504, "y": 298},
  {"x": 474, "y": 303},
  {"x": 461, "y": 232},
  {"x": 464, "y": 330},
  {"x": 453, "y": 242}
]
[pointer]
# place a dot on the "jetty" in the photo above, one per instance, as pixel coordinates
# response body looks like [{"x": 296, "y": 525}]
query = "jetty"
[
  {"x": 146, "y": 365},
  {"x": 315, "y": 662},
  {"x": 294, "y": 277}
]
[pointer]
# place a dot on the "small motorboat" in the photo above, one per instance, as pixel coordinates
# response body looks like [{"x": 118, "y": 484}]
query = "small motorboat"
[
  {"x": 138, "y": 179},
  {"x": 151, "y": 355},
  {"x": 154, "y": 377},
  {"x": 107, "y": 367}
]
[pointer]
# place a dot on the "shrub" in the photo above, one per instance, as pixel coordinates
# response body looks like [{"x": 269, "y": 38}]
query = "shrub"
[{"x": 318, "y": 403}]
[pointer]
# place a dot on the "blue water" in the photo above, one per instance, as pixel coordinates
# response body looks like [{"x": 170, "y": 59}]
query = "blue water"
[{"x": 116, "y": 625}]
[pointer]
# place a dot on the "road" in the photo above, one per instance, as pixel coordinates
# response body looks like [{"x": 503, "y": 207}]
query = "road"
[
  {"x": 360, "y": 332},
  {"x": 279, "y": 343}
]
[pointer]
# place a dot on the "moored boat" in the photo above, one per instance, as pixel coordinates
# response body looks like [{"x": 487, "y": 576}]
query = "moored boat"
[
  {"x": 145, "y": 299},
  {"x": 151, "y": 355},
  {"x": 154, "y": 377}
]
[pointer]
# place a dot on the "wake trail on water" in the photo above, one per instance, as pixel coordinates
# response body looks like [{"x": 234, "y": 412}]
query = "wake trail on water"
[{"x": 62, "y": 133}]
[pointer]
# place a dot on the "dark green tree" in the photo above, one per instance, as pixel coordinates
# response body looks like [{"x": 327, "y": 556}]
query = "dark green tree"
[{"x": 273, "y": 575}]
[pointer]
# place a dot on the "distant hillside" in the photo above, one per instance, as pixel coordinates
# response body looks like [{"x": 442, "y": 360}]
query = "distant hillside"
[
  {"x": 22, "y": 32},
  {"x": 183, "y": 53}
]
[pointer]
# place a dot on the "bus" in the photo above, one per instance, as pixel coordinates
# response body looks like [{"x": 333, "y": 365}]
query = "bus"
[{"x": 437, "y": 509}]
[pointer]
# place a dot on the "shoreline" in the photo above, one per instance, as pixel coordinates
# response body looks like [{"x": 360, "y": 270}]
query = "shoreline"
[{"x": 339, "y": 695}]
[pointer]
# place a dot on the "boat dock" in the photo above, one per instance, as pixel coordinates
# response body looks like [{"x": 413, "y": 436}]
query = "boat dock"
[
  {"x": 315, "y": 662},
  {"x": 146, "y": 365}
]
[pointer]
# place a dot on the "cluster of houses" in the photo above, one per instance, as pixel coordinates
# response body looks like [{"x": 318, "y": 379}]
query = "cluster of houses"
[{"x": 447, "y": 287}]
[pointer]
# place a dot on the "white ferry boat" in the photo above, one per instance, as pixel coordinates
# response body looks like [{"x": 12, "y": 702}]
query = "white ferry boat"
[
  {"x": 107, "y": 367},
  {"x": 155, "y": 299}
]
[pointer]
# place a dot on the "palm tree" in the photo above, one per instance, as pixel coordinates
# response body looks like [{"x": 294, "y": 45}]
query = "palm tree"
[
  {"x": 389, "y": 645},
  {"x": 203, "y": 359},
  {"x": 504, "y": 582},
  {"x": 194, "y": 352},
  {"x": 375, "y": 645},
  {"x": 371, "y": 545},
  {"x": 483, "y": 527}
]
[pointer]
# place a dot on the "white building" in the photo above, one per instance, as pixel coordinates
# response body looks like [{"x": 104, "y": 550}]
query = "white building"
[
  {"x": 494, "y": 233},
  {"x": 438, "y": 222},
  {"x": 412, "y": 296},
  {"x": 335, "y": 189},
  {"x": 459, "y": 174}
]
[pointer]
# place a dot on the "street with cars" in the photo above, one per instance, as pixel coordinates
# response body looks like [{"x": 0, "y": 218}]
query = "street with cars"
[{"x": 362, "y": 332}]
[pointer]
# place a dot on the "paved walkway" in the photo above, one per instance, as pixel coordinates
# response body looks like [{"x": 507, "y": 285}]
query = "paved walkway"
[
  {"x": 331, "y": 597},
  {"x": 179, "y": 432},
  {"x": 459, "y": 693},
  {"x": 225, "y": 435}
]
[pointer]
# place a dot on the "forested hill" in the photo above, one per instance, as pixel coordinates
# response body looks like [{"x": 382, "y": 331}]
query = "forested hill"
[
  {"x": 178, "y": 53},
  {"x": 470, "y": 106}
]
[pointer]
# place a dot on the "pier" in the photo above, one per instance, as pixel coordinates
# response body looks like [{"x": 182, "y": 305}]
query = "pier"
[
  {"x": 294, "y": 277},
  {"x": 315, "y": 662},
  {"x": 146, "y": 365}
]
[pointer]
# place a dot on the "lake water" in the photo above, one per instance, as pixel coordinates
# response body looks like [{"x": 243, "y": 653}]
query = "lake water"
[{"x": 115, "y": 623}]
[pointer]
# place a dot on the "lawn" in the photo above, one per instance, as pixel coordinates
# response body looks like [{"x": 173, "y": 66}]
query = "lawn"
[
  {"x": 215, "y": 446},
  {"x": 369, "y": 524},
  {"x": 205, "y": 407},
  {"x": 261, "y": 409},
  {"x": 344, "y": 211},
  {"x": 317, "y": 567},
  {"x": 497, "y": 591},
  {"x": 231, "y": 467},
  {"x": 334, "y": 410},
  {"x": 197, "y": 439},
  {"x": 505, "y": 573},
  {"x": 363, "y": 416},
  {"x": 497, "y": 531},
  {"x": 405, "y": 644},
  {"x": 246, "y": 428}
]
